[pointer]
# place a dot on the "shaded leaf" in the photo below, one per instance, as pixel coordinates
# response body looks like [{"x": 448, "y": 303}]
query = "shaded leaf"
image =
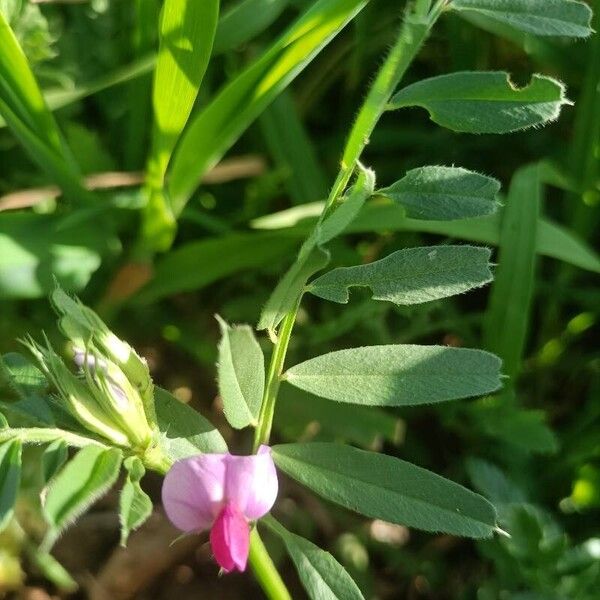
[
  {"x": 382, "y": 487},
  {"x": 54, "y": 457},
  {"x": 184, "y": 431}
]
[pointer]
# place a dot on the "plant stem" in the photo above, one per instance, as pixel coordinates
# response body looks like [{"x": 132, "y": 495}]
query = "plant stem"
[
  {"x": 413, "y": 32},
  {"x": 265, "y": 571},
  {"x": 267, "y": 411}
]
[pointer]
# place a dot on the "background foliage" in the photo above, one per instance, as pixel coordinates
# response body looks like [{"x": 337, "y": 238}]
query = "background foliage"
[{"x": 158, "y": 265}]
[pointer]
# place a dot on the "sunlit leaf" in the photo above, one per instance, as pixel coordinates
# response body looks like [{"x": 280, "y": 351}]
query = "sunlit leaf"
[{"x": 135, "y": 506}]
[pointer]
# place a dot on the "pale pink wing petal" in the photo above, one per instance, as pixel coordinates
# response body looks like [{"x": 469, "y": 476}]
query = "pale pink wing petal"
[
  {"x": 251, "y": 483},
  {"x": 193, "y": 490},
  {"x": 230, "y": 539}
]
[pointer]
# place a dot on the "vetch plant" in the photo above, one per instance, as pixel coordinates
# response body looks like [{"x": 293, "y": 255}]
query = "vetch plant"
[{"x": 109, "y": 408}]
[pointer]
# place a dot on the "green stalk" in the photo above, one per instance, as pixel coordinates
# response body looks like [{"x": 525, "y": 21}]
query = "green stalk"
[
  {"x": 413, "y": 33},
  {"x": 265, "y": 571}
]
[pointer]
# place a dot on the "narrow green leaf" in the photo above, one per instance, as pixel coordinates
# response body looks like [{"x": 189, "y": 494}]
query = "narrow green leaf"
[
  {"x": 382, "y": 487},
  {"x": 10, "y": 478},
  {"x": 507, "y": 317},
  {"x": 245, "y": 20},
  {"x": 220, "y": 257},
  {"x": 184, "y": 431},
  {"x": 398, "y": 375},
  {"x": 537, "y": 17},
  {"x": 241, "y": 374},
  {"x": 410, "y": 276},
  {"x": 288, "y": 291},
  {"x": 493, "y": 483},
  {"x": 54, "y": 457},
  {"x": 186, "y": 33},
  {"x": 484, "y": 102},
  {"x": 87, "y": 477},
  {"x": 135, "y": 506},
  {"x": 293, "y": 153},
  {"x": 238, "y": 104},
  {"x": 341, "y": 216},
  {"x": 25, "y": 112},
  {"x": 321, "y": 575},
  {"x": 444, "y": 193}
]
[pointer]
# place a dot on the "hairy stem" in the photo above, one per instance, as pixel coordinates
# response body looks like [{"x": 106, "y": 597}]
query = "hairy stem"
[{"x": 413, "y": 33}]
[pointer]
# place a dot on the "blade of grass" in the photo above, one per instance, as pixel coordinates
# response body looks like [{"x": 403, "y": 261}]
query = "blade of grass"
[{"x": 240, "y": 102}]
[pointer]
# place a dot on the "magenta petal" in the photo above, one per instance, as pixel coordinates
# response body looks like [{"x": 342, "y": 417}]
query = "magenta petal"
[
  {"x": 251, "y": 483},
  {"x": 230, "y": 539},
  {"x": 193, "y": 491}
]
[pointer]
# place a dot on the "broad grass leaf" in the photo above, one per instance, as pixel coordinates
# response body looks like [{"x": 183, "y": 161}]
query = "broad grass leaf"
[
  {"x": 484, "y": 102},
  {"x": 197, "y": 264},
  {"x": 321, "y": 575},
  {"x": 186, "y": 33},
  {"x": 553, "y": 240},
  {"x": 135, "y": 506},
  {"x": 10, "y": 479},
  {"x": 241, "y": 374},
  {"x": 216, "y": 127},
  {"x": 25, "y": 112},
  {"x": 506, "y": 321},
  {"x": 398, "y": 375},
  {"x": 84, "y": 479},
  {"x": 184, "y": 431},
  {"x": 537, "y": 17},
  {"x": 410, "y": 276},
  {"x": 383, "y": 487},
  {"x": 245, "y": 20},
  {"x": 444, "y": 193}
]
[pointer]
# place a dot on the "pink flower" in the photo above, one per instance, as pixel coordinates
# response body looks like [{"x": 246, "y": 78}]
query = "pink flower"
[{"x": 221, "y": 492}]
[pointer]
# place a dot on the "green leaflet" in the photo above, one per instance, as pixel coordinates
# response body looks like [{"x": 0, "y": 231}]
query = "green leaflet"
[
  {"x": 493, "y": 483},
  {"x": 10, "y": 478},
  {"x": 87, "y": 477},
  {"x": 398, "y": 375},
  {"x": 484, "y": 102},
  {"x": 537, "y": 17},
  {"x": 321, "y": 575},
  {"x": 382, "y": 487},
  {"x": 507, "y": 317},
  {"x": 184, "y": 431},
  {"x": 241, "y": 374},
  {"x": 410, "y": 276},
  {"x": 444, "y": 193},
  {"x": 135, "y": 506},
  {"x": 25, "y": 112},
  {"x": 216, "y": 128}
]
